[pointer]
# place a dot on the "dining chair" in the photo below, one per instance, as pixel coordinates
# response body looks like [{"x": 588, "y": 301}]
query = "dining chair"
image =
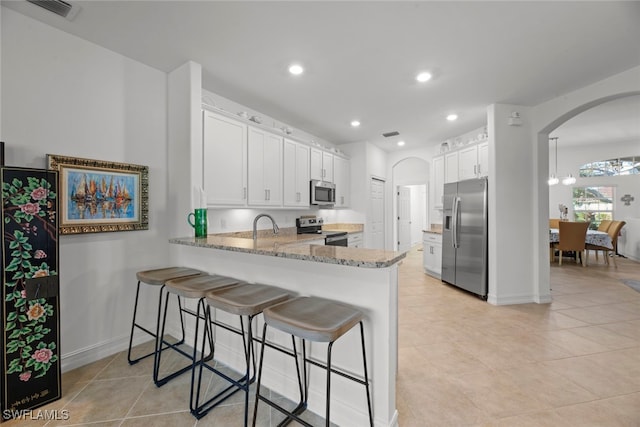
[
  {"x": 604, "y": 226},
  {"x": 572, "y": 237},
  {"x": 553, "y": 222},
  {"x": 613, "y": 231}
]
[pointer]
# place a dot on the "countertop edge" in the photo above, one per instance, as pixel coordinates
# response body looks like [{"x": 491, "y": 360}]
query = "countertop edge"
[{"x": 282, "y": 253}]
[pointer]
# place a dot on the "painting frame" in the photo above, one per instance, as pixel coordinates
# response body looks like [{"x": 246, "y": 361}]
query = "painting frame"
[{"x": 90, "y": 202}]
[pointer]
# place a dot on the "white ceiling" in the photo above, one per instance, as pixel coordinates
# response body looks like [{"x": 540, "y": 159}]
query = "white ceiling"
[{"x": 361, "y": 57}]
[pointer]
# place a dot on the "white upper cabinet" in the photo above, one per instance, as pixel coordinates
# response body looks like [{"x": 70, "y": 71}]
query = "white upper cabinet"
[
  {"x": 224, "y": 160},
  {"x": 468, "y": 162},
  {"x": 296, "y": 174},
  {"x": 342, "y": 180},
  {"x": 483, "y": 159},
  {"x": 265, "y": 168},
  {"x": 451, "y": 167},
  {"x": 327, "y": 166},
  {"x": 321, "y": 165},
  {"x": 246, "y": 164},
  {"x": 473, "y": 161}
]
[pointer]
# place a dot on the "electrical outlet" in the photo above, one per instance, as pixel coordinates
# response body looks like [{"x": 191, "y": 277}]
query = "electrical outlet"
[{"x": 223, "y": 223}]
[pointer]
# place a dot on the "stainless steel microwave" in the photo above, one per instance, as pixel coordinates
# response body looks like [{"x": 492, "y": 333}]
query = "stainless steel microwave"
[{"x": 322, "y": 193}]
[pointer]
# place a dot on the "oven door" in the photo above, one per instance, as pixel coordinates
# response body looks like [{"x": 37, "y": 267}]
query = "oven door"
[{"x": 336, "y": 239}]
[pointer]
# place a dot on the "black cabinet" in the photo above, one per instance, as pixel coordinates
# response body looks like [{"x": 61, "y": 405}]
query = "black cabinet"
[{"x": 30, "y": 306}]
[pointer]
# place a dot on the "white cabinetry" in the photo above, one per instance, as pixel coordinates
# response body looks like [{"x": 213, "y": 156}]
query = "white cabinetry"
[
  {"x": 342, "y": 179},
  {"x": 473, "y": 161},
  {"x": 265, "y": 168},
  {"x": 451, "y": 167},
  {"x": 224, "y": 158},
  {"x": 354, "y": 240},
  {"x": 483, "y": 159},
  {"x": 296, "y": 174},
  {"x": 438, "y": 181},
  {"x": 432, "y": 253},
  {"x": 468, "y": 162},
  {"x": 321, "y": 165}
]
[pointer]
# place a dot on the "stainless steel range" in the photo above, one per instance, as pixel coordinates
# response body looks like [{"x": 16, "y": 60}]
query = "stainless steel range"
[{"x": 313, "y": 225}]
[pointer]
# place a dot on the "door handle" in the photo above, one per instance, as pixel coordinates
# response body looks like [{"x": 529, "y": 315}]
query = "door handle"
[{"x": 454, "y": 234}]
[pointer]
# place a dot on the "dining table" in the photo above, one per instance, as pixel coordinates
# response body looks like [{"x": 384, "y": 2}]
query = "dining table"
[{"x": 594, "y": 237}]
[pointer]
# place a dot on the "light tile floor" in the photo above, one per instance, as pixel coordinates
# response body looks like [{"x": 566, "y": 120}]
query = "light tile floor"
[{"x": 462, "y": 362}]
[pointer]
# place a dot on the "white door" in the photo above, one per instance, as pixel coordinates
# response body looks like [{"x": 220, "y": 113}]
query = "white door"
[
  {"x": 404, "y": 219},
  {"x": 377, "y": 214}
]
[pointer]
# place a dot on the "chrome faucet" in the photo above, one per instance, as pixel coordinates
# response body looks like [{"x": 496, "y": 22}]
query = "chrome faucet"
[{"x": 255, "y": 225}]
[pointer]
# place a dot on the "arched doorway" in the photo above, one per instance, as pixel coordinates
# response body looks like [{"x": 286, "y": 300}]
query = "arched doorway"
[{"x": 543, "y": 267}]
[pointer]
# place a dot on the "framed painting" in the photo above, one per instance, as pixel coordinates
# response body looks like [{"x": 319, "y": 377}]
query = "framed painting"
[{"x": 99, "y": 196}]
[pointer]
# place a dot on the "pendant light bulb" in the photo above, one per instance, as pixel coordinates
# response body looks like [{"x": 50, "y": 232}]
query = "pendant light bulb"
[{"x": 553, "y": 180}]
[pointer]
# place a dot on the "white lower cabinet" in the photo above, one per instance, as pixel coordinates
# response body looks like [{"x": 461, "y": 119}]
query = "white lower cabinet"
[
  {"x": 432, "y": 253},
  {"x": 354, "y": 240}
]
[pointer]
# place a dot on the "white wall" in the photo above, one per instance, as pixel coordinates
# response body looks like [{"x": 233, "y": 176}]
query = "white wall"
[
  {"x": 64, "y": 95},
  {"x": 367, "y": 161},
  {"x": 571, "y": 158}
]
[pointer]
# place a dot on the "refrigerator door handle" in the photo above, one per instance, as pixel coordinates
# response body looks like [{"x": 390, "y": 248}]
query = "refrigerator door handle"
[{"x": 454, "y": 221}]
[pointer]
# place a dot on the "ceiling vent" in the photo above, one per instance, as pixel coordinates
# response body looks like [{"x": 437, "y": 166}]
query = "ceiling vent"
[
  {"x": 59, "y": 7},
  {"x": 390, "y": 134}
]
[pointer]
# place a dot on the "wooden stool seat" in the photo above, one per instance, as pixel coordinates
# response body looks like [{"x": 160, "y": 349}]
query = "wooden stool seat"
[
  {"x": 313, "y": 319},
  {"x": 199, "y": 286},
  {"x": 246, "y": 299},
  {"x": 161, "y": 275}
]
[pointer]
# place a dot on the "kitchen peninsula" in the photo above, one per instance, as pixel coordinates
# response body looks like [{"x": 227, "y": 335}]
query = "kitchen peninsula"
[{"x": 365, "y": 278}]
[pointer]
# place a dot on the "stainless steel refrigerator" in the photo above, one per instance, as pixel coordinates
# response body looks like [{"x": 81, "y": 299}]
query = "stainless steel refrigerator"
[{"x": 464, "y": 235}]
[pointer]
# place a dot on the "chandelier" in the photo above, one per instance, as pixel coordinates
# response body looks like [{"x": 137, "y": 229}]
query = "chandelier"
[{"x": 553, "y": 178}]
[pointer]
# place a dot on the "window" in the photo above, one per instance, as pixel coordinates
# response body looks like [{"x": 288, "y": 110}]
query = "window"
[
  {"x": 593, "y": 204},
  {"x": 613, "y": 167}
]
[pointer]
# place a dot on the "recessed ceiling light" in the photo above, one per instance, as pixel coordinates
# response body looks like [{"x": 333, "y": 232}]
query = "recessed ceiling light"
[
  {"x": 452, "y": 117},
  {"x": 355, "y": 123},
  {"x": 423, "y": 77},
  {"x": 400, "y": 143},
  {"x": 296, "y": 69}
]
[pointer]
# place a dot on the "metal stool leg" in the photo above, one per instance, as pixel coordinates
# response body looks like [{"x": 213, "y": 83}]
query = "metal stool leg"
[
  {"x": 303, "y": 388},
  {"x": 366, "y": 375},
  {"x": 160, "y": 341},
  {"x": 200, "y": 409},
  {"x": 135, "y": 325}
]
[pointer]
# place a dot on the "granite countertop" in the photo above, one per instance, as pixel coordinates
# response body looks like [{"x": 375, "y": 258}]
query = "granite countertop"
[
  {"x": 290, "y": 245},
  {"x": 348, "y": 227},
  {"x": 434, "y": 228}
]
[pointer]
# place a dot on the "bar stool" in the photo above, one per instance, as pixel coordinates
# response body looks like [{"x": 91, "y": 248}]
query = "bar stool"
[
  {"x": 156, "y": 277},
  {"x": 243, "y": 300},
  {"x": 313, "y": 319},
  {"x": 193, "y": 287}
]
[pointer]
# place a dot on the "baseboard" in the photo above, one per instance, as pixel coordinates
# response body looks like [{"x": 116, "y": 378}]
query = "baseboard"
[
  {"x": 518, "y": 299},
  {"x": 95, "y": 352}
]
